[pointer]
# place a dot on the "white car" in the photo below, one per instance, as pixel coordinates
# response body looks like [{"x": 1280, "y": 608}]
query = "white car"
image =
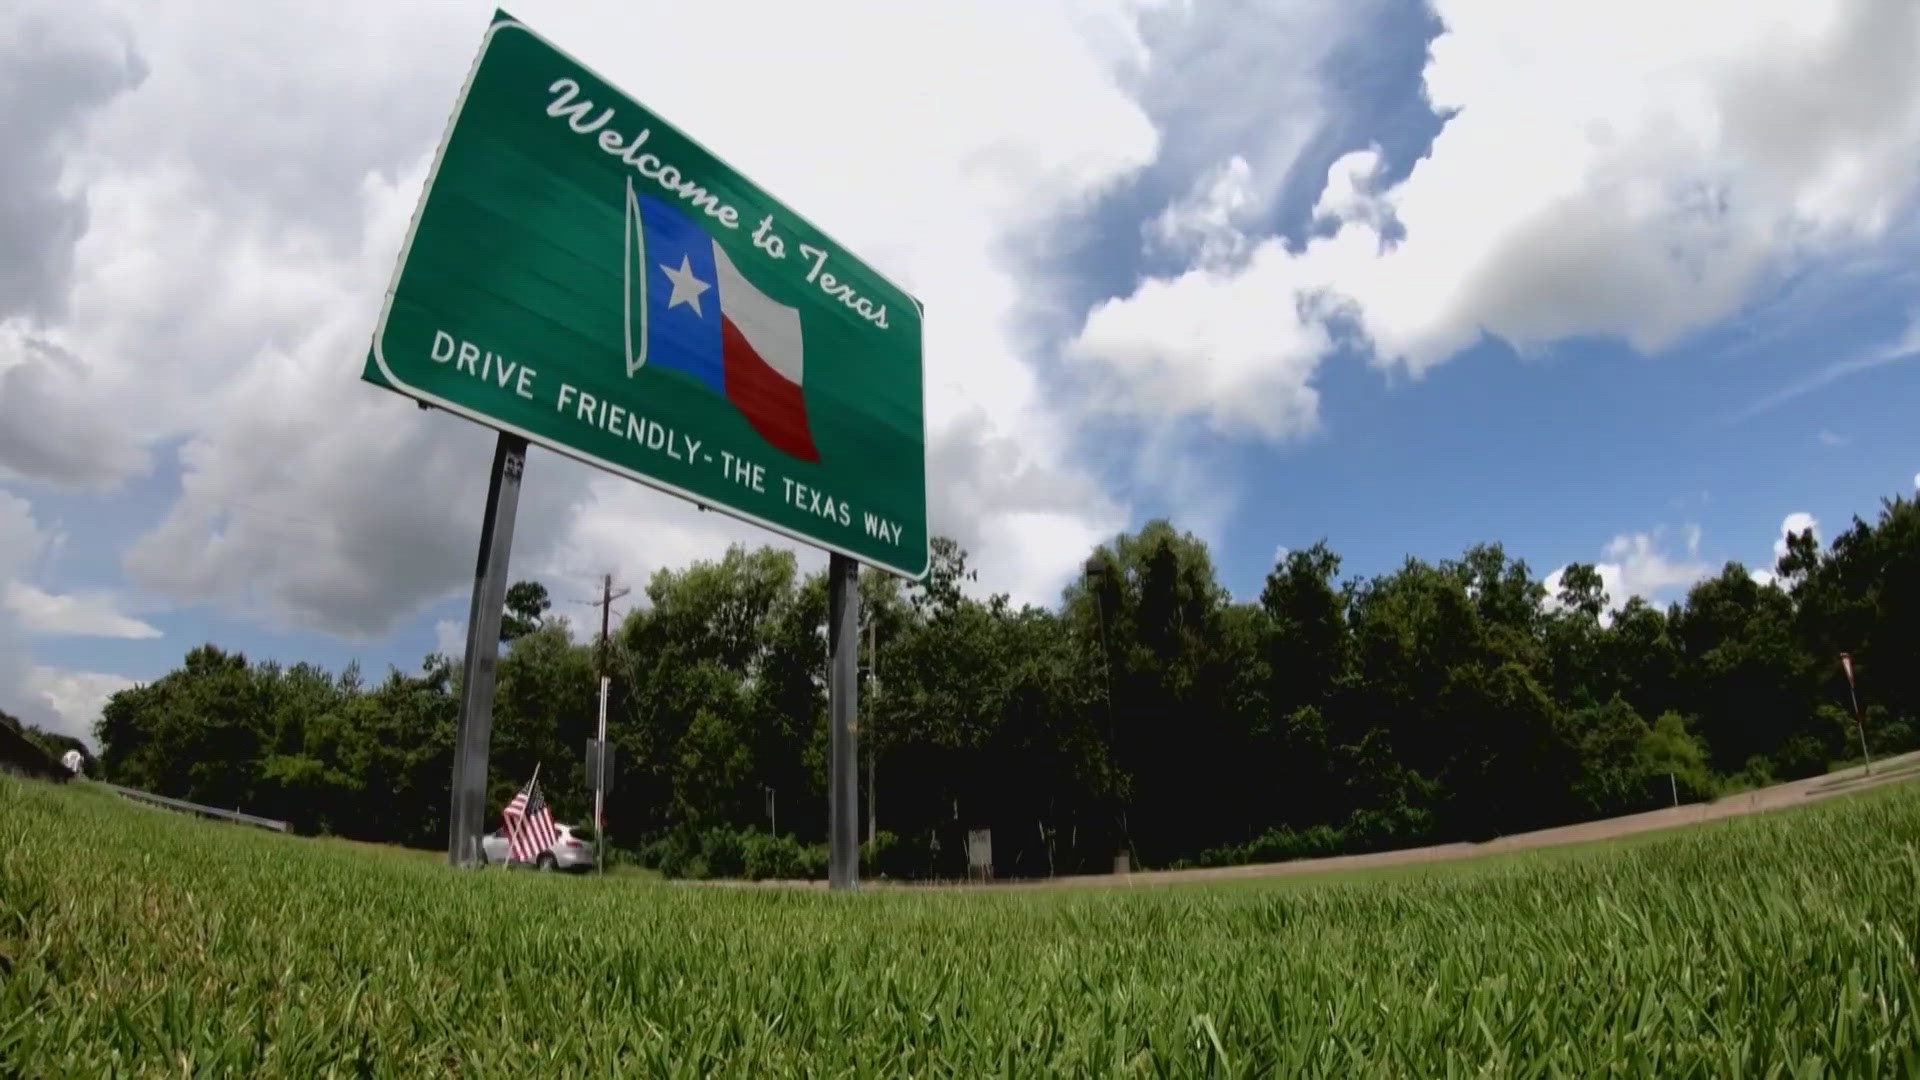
[{"x": 570, "y": 850}]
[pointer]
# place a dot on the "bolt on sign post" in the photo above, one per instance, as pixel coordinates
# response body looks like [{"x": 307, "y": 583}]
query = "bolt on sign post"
[{"x": 583, "y": 276}]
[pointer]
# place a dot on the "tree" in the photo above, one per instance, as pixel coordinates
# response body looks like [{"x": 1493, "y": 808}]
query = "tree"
[
  {"x": 1147, "y": 710},
  {"x": 527, "y": 604},
  {"x": 1742, "y": 675},
  {"x": 1582, "y": 591}
]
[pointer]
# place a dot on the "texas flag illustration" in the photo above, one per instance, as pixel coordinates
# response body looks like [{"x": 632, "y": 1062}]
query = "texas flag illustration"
[{"x": 689, "y": 310}]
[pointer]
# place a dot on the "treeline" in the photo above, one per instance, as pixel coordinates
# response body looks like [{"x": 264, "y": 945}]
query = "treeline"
[{"x": 1148, "y": 712}]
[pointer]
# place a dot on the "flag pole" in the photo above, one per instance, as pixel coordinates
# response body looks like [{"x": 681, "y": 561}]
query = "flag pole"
[
  {"x": 514, "y": 834},
  {"x": 1859, "y": 722}
]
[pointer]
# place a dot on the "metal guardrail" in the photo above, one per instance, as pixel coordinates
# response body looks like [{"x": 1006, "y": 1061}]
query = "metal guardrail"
[{"x": 195, "y": 808}]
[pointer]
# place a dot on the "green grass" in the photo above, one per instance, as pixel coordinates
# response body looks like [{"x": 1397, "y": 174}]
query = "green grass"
[{"x": 137, "y": 942}]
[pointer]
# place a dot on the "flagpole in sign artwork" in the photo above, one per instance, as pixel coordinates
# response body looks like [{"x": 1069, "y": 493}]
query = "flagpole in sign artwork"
[{"x": 583, "y": 276}]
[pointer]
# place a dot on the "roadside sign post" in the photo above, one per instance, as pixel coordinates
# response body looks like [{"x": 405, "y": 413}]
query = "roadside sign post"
[
  {"x": 583, "y": 276},
  {"x": 483, "y": 652},
  {"x": 843, "y": 691},
  {"x": 600, "y": 766}
]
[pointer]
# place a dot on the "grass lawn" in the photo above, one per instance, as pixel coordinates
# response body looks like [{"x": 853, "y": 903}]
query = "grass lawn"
[{"x": 134, "y": 941}]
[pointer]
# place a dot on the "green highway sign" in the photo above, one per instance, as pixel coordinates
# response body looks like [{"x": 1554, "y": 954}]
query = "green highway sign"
[{"x": 584, "y": 275}]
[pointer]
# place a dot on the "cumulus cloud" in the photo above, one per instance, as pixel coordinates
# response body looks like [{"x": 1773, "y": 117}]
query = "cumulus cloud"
[
  {"x": 1795, "y": 524},
  {"x": 450, "y": 638},
  {"x": 84, "y": 614},
  {"x": 1207, "y": 223},
  {"x": 1238, "y": 90},
  {"x": 1637, "y": 564},
  {"x": 42, "y": 436},
  {"x": 1590, "y": 179},
  {"x": 53, "y": 698},
  {"x": 21, "y": 543},
  {"x": 58, "y": 65},
  {"x": 74, "y": 698}
]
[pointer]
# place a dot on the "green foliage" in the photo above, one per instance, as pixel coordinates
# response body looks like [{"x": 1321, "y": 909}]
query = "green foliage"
[
  {"x": 1772, "y": 945},
  {"x": 1669, "y": 748},
  {"x": 1148, "y": 711},
  {"x": 527, "y": 605},
  {"x": 725, "y": 852}
]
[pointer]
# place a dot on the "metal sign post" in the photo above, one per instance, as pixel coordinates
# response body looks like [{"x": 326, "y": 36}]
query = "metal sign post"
[
  {"x": 483, "y": 652},
  {"x": 602, "y": 773},
  {"x": 843, "y": 688}
]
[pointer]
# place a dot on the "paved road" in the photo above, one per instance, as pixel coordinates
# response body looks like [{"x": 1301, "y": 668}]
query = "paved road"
[{"x": 1777, "y": 797}]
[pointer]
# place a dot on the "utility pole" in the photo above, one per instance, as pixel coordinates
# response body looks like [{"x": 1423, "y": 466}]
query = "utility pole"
[{"x": 607, "y": 597}]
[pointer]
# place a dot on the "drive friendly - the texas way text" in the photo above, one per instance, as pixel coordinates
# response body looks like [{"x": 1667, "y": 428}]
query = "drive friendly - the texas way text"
[{"x": 512, "y": 376}]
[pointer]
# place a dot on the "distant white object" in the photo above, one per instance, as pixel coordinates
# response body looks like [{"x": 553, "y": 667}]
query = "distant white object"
[
  {"x": 980, "y": 852},
  {"x": 72, "y": 760}
]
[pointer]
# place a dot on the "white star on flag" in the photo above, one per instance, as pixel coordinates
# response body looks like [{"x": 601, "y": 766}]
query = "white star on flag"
[{"x": 686, "y": 287}]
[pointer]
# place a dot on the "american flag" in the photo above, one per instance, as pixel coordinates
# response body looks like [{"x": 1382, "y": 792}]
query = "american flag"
[{"x": 529, "y": 823}]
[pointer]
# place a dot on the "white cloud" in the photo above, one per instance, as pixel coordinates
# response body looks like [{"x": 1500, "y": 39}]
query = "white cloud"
[
  {"x": 82, "y": 614},
  {"x": 450, "y": 638},
  {"x": 1206, "y": 225},
  {"x": 1795, "y": 523},
  {"x": 21, "y": 543},
  {"x": 1352, "y": 194},
  {"x": 247, "y": 197},
  {"x": 1906, "y": 348},
  {"x": 21, "y": 539},
  {"x": 1595, "y": 179},
  {"x": 1224, "y": 346},
  {"x": 56, "y": 699},
  {"x": 55, "y": 70},
  {"x": 75, "y": 698},
  {"x": 1634, "y": 564},
  {"x": 1829, "y": 438},
  {"x": 42, "y": 436},
  {"x": 1241, "y": 81}
]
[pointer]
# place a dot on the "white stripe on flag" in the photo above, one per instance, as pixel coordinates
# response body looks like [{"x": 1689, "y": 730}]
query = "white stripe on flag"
[{"x": 772, "y": 328}]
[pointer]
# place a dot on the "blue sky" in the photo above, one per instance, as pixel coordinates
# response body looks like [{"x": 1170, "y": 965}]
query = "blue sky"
[{"x": 1403, "y": 276}]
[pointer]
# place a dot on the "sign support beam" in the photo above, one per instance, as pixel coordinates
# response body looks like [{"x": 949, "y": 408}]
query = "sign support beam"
[
  {"x": 843, "y": 682},
  {"x": 482, "y": 662},
  {"x": 602, "y": 771}
]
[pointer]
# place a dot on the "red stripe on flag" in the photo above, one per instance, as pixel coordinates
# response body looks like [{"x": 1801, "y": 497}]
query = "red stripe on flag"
[{"x": 770, "y": 401}]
